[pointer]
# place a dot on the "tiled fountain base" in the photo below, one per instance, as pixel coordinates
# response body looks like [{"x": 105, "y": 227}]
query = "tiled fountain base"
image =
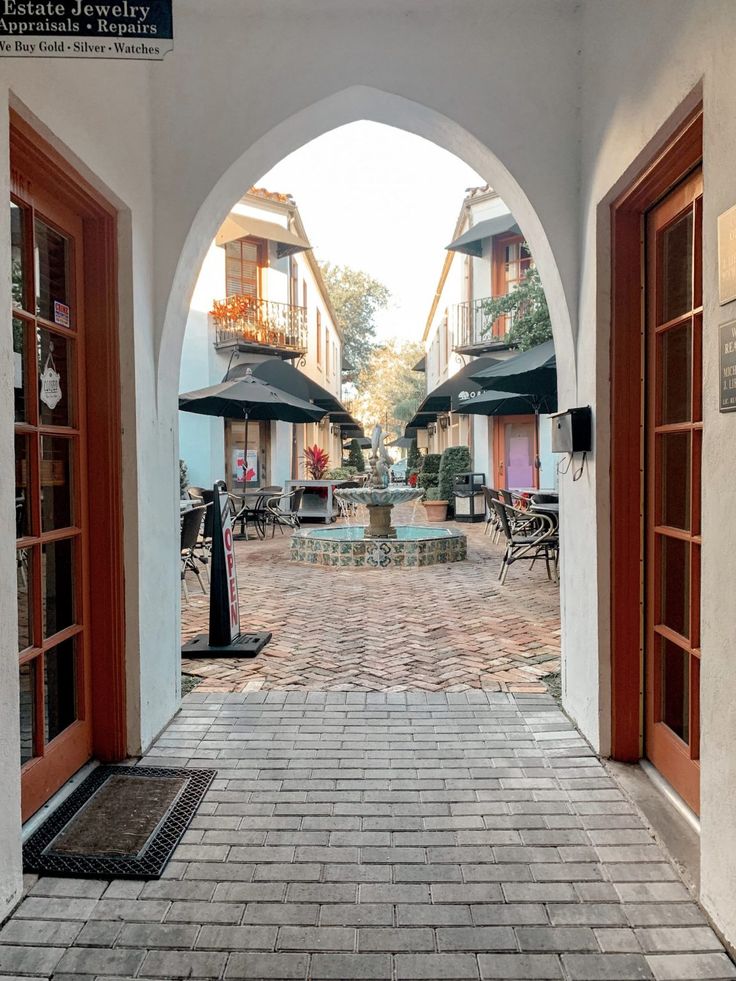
[{"x": 342, "y": 547}]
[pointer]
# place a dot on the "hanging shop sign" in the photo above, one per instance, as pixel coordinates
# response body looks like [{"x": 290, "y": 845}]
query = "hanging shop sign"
[
  {"x": 133, "y": 30},
  {"x": 727, "y": 343},
  {"x": 727, "y": 256},
  {"x": 50, "y": 382}
]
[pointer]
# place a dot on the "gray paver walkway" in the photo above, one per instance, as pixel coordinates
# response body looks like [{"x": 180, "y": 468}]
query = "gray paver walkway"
[{"x": 383, "y": 835}]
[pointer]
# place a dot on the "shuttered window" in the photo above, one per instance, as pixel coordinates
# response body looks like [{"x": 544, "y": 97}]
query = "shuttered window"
[{"x": 242, "y": 262}]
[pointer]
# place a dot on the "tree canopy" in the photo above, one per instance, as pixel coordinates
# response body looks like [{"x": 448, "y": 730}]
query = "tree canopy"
[
  {"x": 388, "y": 390},
  {"x": 356, "y": 298},
  {"x": 526, "y": 306}
]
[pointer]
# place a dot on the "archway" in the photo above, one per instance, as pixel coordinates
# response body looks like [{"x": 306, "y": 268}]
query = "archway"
[{"x": 350, "y": 105}]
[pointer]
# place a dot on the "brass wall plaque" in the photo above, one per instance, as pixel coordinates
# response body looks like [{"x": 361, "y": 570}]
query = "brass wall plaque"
[
  {"x": 727, "y": 256},
  {"x": 727, "y": 344}
]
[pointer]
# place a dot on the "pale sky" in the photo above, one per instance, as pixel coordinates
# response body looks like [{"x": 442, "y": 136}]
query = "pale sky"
[{"x": 381, "y": 200}]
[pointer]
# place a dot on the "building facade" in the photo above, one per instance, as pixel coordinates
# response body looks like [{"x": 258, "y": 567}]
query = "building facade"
[
  {"x": 488, "y": 257},
  {"x": 603, "y": 118},
  {"x": 258, "y": 297}
]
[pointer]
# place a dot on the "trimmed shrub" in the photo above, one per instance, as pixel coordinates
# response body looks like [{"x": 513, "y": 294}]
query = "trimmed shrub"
[
  {"x": 355, "y": 457},
  {"x": 413, "y": 458},
  {"x": 455, "y": 460},
  {"x": 429, "y": 473}
]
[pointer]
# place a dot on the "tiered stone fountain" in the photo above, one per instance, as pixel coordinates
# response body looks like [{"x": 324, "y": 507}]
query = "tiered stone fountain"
[{"x": 378, "y": 544}]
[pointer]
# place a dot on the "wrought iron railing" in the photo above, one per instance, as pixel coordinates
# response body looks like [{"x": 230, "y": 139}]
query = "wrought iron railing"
[
  {"x": 468, "y": 322},
  {"x": 246, "y": 319}
]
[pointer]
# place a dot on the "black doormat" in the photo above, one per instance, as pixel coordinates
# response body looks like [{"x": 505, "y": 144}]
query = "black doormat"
[{"x": 121, "y": 822}]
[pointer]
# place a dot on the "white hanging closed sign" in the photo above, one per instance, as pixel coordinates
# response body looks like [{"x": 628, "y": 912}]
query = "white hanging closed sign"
[{"x": 50, "y": 380}]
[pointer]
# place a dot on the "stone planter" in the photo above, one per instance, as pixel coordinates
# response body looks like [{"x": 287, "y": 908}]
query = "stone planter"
[{"x": 436, "y": 510}]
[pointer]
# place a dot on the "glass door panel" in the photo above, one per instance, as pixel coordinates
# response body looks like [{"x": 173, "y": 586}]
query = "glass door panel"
[
  {"x": 50, "y": 500},
  {"x": 674, "y": 410},
  {"x": 519, "y": 445}
]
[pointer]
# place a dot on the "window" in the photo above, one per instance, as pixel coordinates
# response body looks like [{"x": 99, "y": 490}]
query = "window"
[
  {"x": 511, "y": 262},
  {"x": 293, "y": 282},
  {"x": 334, "y": 358},
  {"x": 305, "y": 294},
  {"x": 242, "y": 268},
  {"x": 327, "y": 351},
  {"x": 319, "y": 332}
]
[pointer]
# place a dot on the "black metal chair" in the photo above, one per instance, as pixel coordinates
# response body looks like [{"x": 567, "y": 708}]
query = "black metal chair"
[
  {"x": 284, "y": 510},
  {"x": 528, "y": 537},
  {"x": 493, "y": 526},
  {"x": 191, "y": 525}
]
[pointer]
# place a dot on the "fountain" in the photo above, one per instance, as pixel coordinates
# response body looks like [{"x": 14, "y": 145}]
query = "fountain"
[{"x": 378, "y": 544}]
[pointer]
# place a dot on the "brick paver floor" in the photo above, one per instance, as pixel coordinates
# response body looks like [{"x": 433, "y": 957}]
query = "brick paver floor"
[
  {"x": 449, "y": 627},
  {"x": 390, "y": 835}
]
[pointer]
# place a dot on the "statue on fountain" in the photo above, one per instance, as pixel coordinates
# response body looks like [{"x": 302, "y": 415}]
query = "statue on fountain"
[{"x": 379, "y": 460}]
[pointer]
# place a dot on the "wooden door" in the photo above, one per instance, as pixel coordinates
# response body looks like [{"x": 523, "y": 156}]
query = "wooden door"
[
  {"x": 673, "y": 400},
  {"x": 515, "y": 451},
  {"x": 50, "y": 500}
]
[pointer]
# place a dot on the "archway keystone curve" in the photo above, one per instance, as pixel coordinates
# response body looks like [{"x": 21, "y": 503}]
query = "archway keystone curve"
[{"x": 351, "y": 105}]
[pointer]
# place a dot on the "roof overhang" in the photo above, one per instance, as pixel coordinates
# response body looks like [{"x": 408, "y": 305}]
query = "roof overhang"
[
  {"x": 242, "y": 226},
  {"x": 471, "y": 242}
]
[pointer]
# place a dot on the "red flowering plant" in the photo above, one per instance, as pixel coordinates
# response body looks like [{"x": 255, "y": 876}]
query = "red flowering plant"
[
  {"x": 316, "y": 462},
  {"x": 412, "y": 481}
]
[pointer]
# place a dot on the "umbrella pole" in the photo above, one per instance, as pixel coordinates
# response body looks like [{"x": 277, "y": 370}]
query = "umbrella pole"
[{"x": 245, "y": 453}]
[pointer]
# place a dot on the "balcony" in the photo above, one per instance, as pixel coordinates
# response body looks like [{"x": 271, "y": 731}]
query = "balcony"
[
  {"x": 260, "y": 326},
  {"x": 466, "y": 322}
]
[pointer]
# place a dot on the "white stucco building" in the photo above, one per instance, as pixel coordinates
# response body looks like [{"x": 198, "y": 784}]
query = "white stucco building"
[
  {"x": 586, "y": 117},
  {"x": 259, "y": 296},
  {"x": 486, "y": 258}
]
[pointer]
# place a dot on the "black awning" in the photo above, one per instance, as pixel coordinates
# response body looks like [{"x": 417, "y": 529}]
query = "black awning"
[
  {"x": 471, "y": 242},
  {"x": 440, "y": 399},
  {"x": 421, "y": 364},
  {"x": 289, "y": 379},
  {"x": 420, "y": 421}
]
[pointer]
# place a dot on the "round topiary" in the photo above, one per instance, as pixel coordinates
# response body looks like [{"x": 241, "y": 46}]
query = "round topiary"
[{"x": 455, "y": 460}]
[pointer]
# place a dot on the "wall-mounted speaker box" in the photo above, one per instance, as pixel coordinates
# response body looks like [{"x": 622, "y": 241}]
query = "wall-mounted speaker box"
[{"x": 572, "y": 430}]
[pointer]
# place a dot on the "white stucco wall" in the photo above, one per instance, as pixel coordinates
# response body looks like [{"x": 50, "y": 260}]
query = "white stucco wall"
[
  {"x": 98, "y": 116},
  {"x": 673, "y": 51}
]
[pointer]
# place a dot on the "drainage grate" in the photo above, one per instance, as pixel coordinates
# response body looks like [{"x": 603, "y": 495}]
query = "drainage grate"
[{"x": 121, "y": 822}]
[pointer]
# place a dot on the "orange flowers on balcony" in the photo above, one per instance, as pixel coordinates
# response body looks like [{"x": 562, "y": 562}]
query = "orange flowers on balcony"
[{"x": 241, "y": 317}]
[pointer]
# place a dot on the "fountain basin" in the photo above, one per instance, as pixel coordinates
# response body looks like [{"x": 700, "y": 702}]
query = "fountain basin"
[
  {"x": 350, "y": 546},
  {"x": 380, "y": 503}
]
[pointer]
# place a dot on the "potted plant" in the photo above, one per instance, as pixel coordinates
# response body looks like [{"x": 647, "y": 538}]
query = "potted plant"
[
  {"x": 435, "y": 509},
  {"x": 316, "y": 462},
  {"x": 428, "y": 480},
  {"x": 455, "y": 460}
]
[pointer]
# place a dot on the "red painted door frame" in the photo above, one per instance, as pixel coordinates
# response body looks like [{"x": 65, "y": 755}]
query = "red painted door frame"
[
  {"x": 34, "y": 163},
  {"x": 680, "y": 156}
]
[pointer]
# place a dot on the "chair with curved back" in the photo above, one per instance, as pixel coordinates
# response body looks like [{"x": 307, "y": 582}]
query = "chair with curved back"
[{"x": 191, "y": 525}]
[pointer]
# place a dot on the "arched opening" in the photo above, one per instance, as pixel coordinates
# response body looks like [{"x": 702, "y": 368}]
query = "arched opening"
[{"x": 352, "y": 105}]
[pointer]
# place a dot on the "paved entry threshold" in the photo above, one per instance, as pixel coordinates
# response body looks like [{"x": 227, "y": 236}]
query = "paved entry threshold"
[{"x": 382, "y": 835}]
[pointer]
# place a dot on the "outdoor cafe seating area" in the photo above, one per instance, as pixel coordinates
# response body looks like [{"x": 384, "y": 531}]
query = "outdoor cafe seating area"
[{"x": 527, "y": 522}]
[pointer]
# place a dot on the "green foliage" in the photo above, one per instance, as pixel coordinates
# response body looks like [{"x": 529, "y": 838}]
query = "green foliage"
[
  {"x": 183, "y": 478},
  {"x": 429, "y": 474},
  {"x": 356, "y": 298},
  {"x": 341, "y": 473},
  {"x": 455, "y": 460},
  {"x": 413, "y": 458},
  {"x": 388, "y": 390},
  {"x": 355, "y": 456},
  {"x": 432, "y": 494},
  {"x": 526, "y": 305}
]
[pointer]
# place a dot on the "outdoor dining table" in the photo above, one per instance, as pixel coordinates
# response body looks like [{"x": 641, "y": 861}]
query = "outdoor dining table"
[{"x": 254, "y": 501}]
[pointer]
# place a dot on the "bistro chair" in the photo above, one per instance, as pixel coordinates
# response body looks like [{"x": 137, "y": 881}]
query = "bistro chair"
[
  {"x": 284, "y": 510},
  {"x": 191, "y": 525},
  {"x": 196, "y": 493},
  {"x": 493, "y": 526},
  {"x": 528, "y": 537}
]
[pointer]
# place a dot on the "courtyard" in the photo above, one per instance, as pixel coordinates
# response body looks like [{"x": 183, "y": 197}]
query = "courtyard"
[{"x": 443, "y": 628}]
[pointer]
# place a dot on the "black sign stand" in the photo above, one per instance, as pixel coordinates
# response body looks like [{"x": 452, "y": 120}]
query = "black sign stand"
[{"x": 224, "y": 638}]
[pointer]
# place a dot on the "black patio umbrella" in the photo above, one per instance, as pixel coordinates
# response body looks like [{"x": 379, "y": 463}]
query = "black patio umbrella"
[
  {"x": 502, "y": 404},
  {"x": 249, "y": 398},
  {"x": 532, "y": 373},
  {"x": 401, "y": 443},
  {"x": 362, "y": 441}
]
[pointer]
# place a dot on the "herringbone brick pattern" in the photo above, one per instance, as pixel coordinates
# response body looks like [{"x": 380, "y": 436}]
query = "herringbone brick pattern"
[{"x": 448, "y": 628}]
